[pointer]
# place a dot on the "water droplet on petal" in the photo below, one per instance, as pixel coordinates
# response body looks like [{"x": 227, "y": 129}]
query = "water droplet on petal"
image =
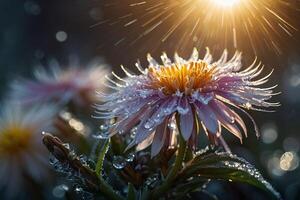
[
  {"x": 133, "y": 132},
  {"x": 149, "y": 124},
  {"x": 172, "y": 125},
  {"x": 182, "y": 110},
  {"x": 152, "y": 180}
]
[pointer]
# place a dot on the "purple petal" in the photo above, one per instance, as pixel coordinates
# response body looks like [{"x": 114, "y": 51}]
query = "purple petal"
[
  {"x": 221, "y": 111},
  {"x": 240, "y": 121},
  {"x": 233, "y": 129},
  {"x": 144, "y": 130},
  {"x": 159, "y": 138},
  {"x": 187, "y": 122},
  {"x": 227, "y": 115},
  {"x": 208, "y": 118},
  {"x": 227, "y": 120},
  {"x": 128, "y": 123},
  {"x": 193, "y": 141}
]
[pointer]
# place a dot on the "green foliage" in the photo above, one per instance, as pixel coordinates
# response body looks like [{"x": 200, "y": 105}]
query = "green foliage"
[
  {"x": 131, "y": 192},
  {"x": 102, "y": 154},
  {"x": 226, "y": 166}
]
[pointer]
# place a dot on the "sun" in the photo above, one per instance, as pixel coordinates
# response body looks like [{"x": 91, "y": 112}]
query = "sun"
[{"x": 226, "y": 3}]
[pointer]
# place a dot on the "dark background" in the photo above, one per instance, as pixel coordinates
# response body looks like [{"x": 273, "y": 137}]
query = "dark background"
[{"x": 28, "y": 36}]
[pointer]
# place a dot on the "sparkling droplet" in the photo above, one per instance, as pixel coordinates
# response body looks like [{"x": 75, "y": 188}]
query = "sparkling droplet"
[
  {"x": 101, "y": 135},
  {"x": 203, "y": 98},
  {"x": 78, "y": 189},
  {"x": 172, "y": 125},
  {"x": 52, "y": 160},
  {"x": 248, "y": 105},
  {"x": 145, "y": 93},
  {"x": 119, "y": 162},
  {"x": 178, "y": 93},
  {"x": 60, "y": 190},
  {"x": 104, "y": 127},
  {"x": 149, "y": 124},
  {"x": 130, "y": 157},
  {"x": 133, "y": 132},
  {"x": 182, "y": 110},
  {"x": 67, "y": 145},
  {"x": 152, "y": 180}
]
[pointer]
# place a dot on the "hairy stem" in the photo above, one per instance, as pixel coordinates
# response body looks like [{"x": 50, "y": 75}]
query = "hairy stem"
[{"x": 93, "y": 180}]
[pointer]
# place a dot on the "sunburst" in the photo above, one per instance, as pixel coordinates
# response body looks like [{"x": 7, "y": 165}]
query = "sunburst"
[{"x": 240, "y": 24}]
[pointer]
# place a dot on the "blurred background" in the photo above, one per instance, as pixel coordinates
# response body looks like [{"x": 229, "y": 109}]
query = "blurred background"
[{"x": 34, "y": 31}]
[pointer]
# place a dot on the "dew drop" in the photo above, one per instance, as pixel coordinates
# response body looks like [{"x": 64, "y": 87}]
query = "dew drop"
[
  {"x": 78, "y": 189},
  {"x": 119, "y": 162},
  {"x": 60, "y": 190},
  {"x": 130, "y": 157},
  {"x": 52, "y": 160},
  {"x": 101, "y": 135},
  {"x": 67, "y": 145},
  {"x": 182, "y": 110},
  {"x": 133, "y": 132},
  {"x": 104, "y": 127},
  {"x": 149, "y": 124},
  {"x": 172, "y": 125},
  {"x": 152, "y": 180},
  {"x": 248, "y": 105}
]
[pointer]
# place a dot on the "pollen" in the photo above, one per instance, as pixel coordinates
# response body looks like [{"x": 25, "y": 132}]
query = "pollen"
[
  {"x": 14, "y": 140},
  {"x": 185, "y": 78}
]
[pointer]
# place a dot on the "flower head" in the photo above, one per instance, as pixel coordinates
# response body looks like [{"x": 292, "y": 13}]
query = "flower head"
[
  {"x": 188, "y": 93},
  {"x": 73, "y": 84},
  {"x": 21, "y": 151}
]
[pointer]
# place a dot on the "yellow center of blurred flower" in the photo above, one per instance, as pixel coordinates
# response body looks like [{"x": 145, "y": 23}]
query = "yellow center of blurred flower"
[
  {"x": 14, "y": 140},
  {"x": 185, "y": 78}
]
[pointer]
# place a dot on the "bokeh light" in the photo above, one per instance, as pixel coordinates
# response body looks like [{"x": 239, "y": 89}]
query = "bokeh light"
[
  {"x": 289, "y": 161},
  {"x": 269, "y": 133},
  {"x": 38, "y": 31}
]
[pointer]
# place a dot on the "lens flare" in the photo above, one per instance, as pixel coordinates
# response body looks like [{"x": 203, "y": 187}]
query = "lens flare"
[
  {"x": 253, "y": 26},
  {"x": 226, "y": 3}
]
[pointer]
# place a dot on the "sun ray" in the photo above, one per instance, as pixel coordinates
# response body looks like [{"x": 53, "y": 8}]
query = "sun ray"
[{"x": 241, "y": 24}]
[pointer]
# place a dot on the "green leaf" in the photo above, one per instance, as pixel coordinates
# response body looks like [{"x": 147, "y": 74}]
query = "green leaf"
[
  {"x": 226, "y": 166},
  {"x": 181, "y": 190},
  {"x": 102, "y": 154},
  {"x": 131, "y": 192}
]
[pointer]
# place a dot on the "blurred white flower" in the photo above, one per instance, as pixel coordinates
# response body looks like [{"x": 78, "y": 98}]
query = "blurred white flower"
[
  {"x": 22, "y": 154},
  {"x": 62, "y": 85}
]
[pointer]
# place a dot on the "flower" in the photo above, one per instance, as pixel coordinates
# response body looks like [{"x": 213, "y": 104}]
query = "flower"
[
  {"x": 73, "y": 84},
  {"x": 184, "y": 95},
  {"x": 22, "y": 155}
]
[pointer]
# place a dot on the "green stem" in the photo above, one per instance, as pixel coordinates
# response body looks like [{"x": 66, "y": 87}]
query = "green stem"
[
  {"x": 108, "y": 191},
  {"x": 105, "y": 188},
  {"x": 100, "y": 161},
  {"x": 166, "y": 185}
]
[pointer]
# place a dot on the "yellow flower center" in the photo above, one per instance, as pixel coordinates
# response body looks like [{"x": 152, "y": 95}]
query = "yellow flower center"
[
  {"x": 14, "y": 139},
  {"x": 185, "y": 78}
]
